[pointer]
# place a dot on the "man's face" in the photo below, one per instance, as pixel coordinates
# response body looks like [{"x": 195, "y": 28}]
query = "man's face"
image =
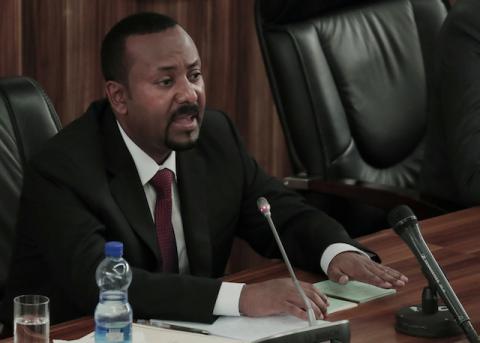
[{"x": 162, "y": 108}]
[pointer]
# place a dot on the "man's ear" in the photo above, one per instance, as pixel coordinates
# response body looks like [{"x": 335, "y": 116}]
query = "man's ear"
[{"x": 117, "y": 95}]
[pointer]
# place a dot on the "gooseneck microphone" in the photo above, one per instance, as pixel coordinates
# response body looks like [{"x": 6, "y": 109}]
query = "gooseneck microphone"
[
  {"x": 405, "y": 224},
  {"x": 316, "y": 331},
  {"x": 264, "y": 208}
]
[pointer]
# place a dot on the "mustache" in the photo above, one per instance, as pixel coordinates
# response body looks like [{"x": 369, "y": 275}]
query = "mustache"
[{"x": 186, "y": 109}]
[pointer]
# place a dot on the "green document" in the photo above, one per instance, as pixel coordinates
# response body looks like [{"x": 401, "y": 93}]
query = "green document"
[
  {"x": 336, "y": 305},
  {"x": 355, "y": 291}
]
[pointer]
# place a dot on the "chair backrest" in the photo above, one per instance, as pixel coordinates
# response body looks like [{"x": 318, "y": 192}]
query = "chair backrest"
[
  {"x": 450, "y": 169},
  {"x": 27, "y": 120},
  {"x": 349, "y": 79}
]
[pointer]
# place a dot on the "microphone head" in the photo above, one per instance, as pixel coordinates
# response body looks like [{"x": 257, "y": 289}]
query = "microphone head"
[
  {"x": 263, "y": 206},
  {"x": 399, "y": 216}
]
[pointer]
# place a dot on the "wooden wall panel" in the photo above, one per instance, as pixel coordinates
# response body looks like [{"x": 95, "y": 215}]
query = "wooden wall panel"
[
  {"x": 11, "y": 37},
  {"x": 44, "y": 49},
  {"x": 60, "y": 48},
  {"x": 257, "y": 117},
  {"x": 86, "y": 24},
  {"x": 82, "y": 78}
]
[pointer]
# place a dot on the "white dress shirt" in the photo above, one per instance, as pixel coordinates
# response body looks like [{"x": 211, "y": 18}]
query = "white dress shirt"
[{"x": 227, "y": 303}]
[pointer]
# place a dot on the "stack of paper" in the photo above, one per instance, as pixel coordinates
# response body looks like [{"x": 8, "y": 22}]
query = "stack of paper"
[
  {"x": 247, "y": 329},
  {"x": 354, "y": 291},
  {"x": 336, "y": 305}
]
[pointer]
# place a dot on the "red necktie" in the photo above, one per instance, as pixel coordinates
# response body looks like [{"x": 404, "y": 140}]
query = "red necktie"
[{"x": 162, "y": 182}]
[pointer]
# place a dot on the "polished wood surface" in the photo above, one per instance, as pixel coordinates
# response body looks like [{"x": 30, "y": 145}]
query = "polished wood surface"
[
  {"x": 57, "y": 42},
  {"x": 454, "y": 240}
]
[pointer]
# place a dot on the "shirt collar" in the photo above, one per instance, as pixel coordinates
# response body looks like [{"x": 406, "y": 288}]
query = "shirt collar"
[{"x": 146, "y": 166}]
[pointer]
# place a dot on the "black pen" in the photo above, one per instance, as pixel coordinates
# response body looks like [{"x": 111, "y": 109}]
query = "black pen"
[{"x": 160, "y": 324}]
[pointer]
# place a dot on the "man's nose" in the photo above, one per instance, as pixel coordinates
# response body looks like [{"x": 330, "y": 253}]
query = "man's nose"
[{"x": 187, "y": 92}]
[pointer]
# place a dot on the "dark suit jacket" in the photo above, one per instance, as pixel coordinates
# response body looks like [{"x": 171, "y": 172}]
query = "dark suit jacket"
[
  {"x": 451, "y": 168},
  {"x": 83, "y": 189}
]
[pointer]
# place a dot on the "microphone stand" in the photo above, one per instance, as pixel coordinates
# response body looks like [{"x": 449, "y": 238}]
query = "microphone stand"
[
  {"x": 428, "y": 319},
  {"x": 405, "y": 224},
  {"x": 338, "y": 331},
  {"x": 310, "y": 313}
]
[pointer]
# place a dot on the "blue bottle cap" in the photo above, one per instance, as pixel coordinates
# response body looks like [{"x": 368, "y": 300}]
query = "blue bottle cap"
[{"x": 114, "y": 249}]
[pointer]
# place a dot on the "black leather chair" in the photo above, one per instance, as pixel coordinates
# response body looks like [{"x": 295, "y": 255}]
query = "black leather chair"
[
  {"x": 349, "y": 79},
  {"x": 27, "y": 119},
  {"x": 452, "y": 154}
]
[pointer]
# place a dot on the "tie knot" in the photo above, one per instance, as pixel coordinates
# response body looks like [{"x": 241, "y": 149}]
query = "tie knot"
[{"x": 162, "y": 182}]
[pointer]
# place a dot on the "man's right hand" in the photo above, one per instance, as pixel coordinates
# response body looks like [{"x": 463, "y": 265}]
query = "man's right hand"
[{"x": 279, "y": 296}]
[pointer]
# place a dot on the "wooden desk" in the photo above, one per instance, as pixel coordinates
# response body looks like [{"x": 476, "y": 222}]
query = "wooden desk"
[{"x": 454, "y": 240}]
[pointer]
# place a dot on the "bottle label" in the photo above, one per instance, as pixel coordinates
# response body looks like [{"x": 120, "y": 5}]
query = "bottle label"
[{"x": 113, "y": 334}]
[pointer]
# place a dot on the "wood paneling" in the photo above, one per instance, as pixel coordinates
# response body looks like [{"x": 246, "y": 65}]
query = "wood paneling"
[
  {"x": 11, "y": 37},
  {"x": 44, "y": 49},
  {"x": 57, "y": 42}
]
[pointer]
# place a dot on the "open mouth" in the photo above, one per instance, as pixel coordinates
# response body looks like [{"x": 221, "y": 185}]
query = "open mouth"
[{"x": 185, "y": 121}]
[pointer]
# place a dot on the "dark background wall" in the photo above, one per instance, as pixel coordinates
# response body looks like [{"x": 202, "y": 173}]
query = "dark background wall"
[{"x": 57, "y": 42}]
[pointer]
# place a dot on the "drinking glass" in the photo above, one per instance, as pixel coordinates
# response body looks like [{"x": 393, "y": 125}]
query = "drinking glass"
[{"x": 31, "y": 319}]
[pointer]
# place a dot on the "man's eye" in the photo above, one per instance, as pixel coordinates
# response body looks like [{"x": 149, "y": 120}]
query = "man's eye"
[
  {"x": 164, "y": 82},
  {"x": 195, "y": 76}
]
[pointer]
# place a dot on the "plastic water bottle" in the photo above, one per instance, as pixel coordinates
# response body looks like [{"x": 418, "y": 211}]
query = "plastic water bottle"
[{"x": 113, "y": 315}]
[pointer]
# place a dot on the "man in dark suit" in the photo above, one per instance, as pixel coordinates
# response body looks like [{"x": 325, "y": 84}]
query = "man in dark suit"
[
  {"x": 93, "y": 183},
  {"x": 451, "y": 167}
]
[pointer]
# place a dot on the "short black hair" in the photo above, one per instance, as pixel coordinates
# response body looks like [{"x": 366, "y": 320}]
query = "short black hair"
[{"x": 113, "y": 46}]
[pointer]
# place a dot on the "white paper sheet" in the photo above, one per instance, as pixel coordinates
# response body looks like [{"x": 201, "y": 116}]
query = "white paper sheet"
[
  {"x": 150, "y": 334},
  {"x": 247, "y": 328},
  {"x": 223, "y": 330}
]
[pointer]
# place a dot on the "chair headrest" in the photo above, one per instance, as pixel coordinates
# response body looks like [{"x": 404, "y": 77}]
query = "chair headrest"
[{"x": 287, "y": 11}]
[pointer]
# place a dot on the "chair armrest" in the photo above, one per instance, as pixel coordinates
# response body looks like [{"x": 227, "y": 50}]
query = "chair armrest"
[{"x": 377, "y": 195}]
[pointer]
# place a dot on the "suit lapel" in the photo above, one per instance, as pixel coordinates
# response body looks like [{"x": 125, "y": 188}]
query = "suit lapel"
[
  {"x": 125, "y": 184},
  {"x": 191, "y": 176}
]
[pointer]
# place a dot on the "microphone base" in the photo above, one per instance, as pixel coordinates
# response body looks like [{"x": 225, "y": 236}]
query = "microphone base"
[
  {"x": 413, "y": 322},
  {"x": 338, "y": 331}
]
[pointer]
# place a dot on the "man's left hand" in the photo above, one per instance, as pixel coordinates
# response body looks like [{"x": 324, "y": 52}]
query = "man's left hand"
[{"x": 354, "y": 266}]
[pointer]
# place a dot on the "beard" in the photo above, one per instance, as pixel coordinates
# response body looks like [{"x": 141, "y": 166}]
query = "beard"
[
  {"x": 192, "y": 137},
  {"x": 181, "y": 146}
]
